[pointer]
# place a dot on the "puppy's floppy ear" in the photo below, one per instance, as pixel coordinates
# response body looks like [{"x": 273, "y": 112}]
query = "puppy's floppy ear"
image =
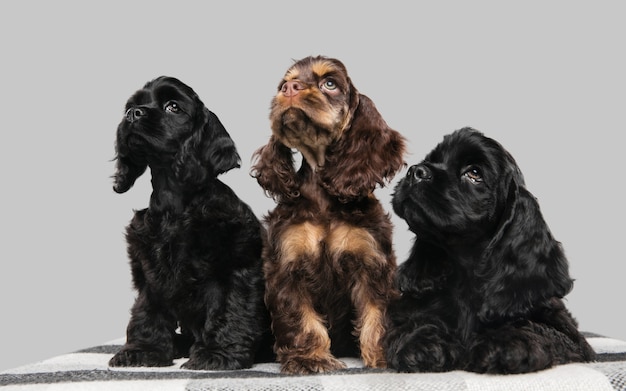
[
  {"x": 127, "y": 170},
  {"x": 209, "y": 151},
  {"x": 274, "y": 170},
  {"x": 369, "y": 153},
  {"x": 220, "y": 150},
  {"x": 523, "y": 265}
]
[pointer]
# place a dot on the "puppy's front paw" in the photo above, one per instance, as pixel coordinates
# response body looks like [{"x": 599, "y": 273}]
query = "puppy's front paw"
[
  {"x": 212, "y": 360},
  {"x": 214, "y": 364},
  {"x": 140, "y": 358},
  {"x": 508, "y": 354},
  {"x": 422, "y": 352},
  {"x": 308, "y": 365},
  {"x": 375, "y": 358}
]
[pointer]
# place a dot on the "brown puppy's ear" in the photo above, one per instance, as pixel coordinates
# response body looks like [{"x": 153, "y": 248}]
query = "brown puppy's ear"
[
  {"x": 368, "y": 154},
  {"x": 274, "y": 170},
  {"x": 208, "y": 152}
]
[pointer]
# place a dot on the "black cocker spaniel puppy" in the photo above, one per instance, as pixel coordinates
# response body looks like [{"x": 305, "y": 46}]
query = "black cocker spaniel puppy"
[
  {"x": 482, "y": 288},
  {"x": 195, "y": 252}
]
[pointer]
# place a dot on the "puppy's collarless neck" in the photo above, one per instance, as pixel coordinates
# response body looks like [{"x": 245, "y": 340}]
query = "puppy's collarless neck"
[{"x": 170, "y": 194}]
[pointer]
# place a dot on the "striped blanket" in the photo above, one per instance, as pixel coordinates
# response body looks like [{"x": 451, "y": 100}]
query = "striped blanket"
[{"x": 87, "y": 369}]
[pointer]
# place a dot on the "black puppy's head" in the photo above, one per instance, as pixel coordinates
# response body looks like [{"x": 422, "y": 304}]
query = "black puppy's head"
[
  {"x": 468, "y": 198},
  {"x": 166, "y": 126},
  {"x": 459, "y": 192}
]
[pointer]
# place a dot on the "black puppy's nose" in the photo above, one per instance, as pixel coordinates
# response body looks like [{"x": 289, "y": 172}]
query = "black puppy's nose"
[
  {"x": 134, "y": 113},
  {"x": 420, "y": 173}
]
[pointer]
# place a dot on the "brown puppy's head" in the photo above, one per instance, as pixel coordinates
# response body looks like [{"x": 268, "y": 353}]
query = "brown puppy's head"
[
  {"x": 339, "y": 132},
  {"x": 313, "y": 106}
]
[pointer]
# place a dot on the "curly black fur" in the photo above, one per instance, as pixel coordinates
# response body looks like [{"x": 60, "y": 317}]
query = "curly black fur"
[
  {"x": 195, "y": 252},
  {"x": 482, "y": 289}
]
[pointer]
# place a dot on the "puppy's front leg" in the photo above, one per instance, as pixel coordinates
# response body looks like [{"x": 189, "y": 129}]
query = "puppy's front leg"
[
  {"x": 148, "y": 337},
  {"x": 233, "y": 328},
  {"x": 370, "y": 295},
  {"x": 292, "y": 275},
  {"x": 421, "y": 335},
  {"x": 302, "y": 341},
  {"x": 370, "y": 327},
  {"x": 356, "y": 253}
]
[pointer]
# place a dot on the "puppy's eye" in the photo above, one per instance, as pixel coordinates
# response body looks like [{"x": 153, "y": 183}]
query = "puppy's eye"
[
  {"x": 329, "y": 85},
  {"x": 473, "y": 174},
  {"x": 172, "y": 107}
]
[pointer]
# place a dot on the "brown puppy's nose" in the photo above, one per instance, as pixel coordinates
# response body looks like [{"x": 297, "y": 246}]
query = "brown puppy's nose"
[{"x": 291, "y": 88}]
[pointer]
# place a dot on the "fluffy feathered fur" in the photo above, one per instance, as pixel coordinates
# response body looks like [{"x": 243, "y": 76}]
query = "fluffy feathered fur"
[
  {"x": 482, "y": 289},
  {"x": 195, "y": 252},
  {"x": 329, "y": 261}
]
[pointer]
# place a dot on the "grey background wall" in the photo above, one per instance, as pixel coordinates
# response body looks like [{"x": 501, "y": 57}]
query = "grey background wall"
[{"x": 546, "y": 79}]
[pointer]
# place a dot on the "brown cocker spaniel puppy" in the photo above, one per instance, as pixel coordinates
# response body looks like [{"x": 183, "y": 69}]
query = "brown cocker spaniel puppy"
[
  {"x": 329, "y": 262},
  {"x": 482, "y": 289}
]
